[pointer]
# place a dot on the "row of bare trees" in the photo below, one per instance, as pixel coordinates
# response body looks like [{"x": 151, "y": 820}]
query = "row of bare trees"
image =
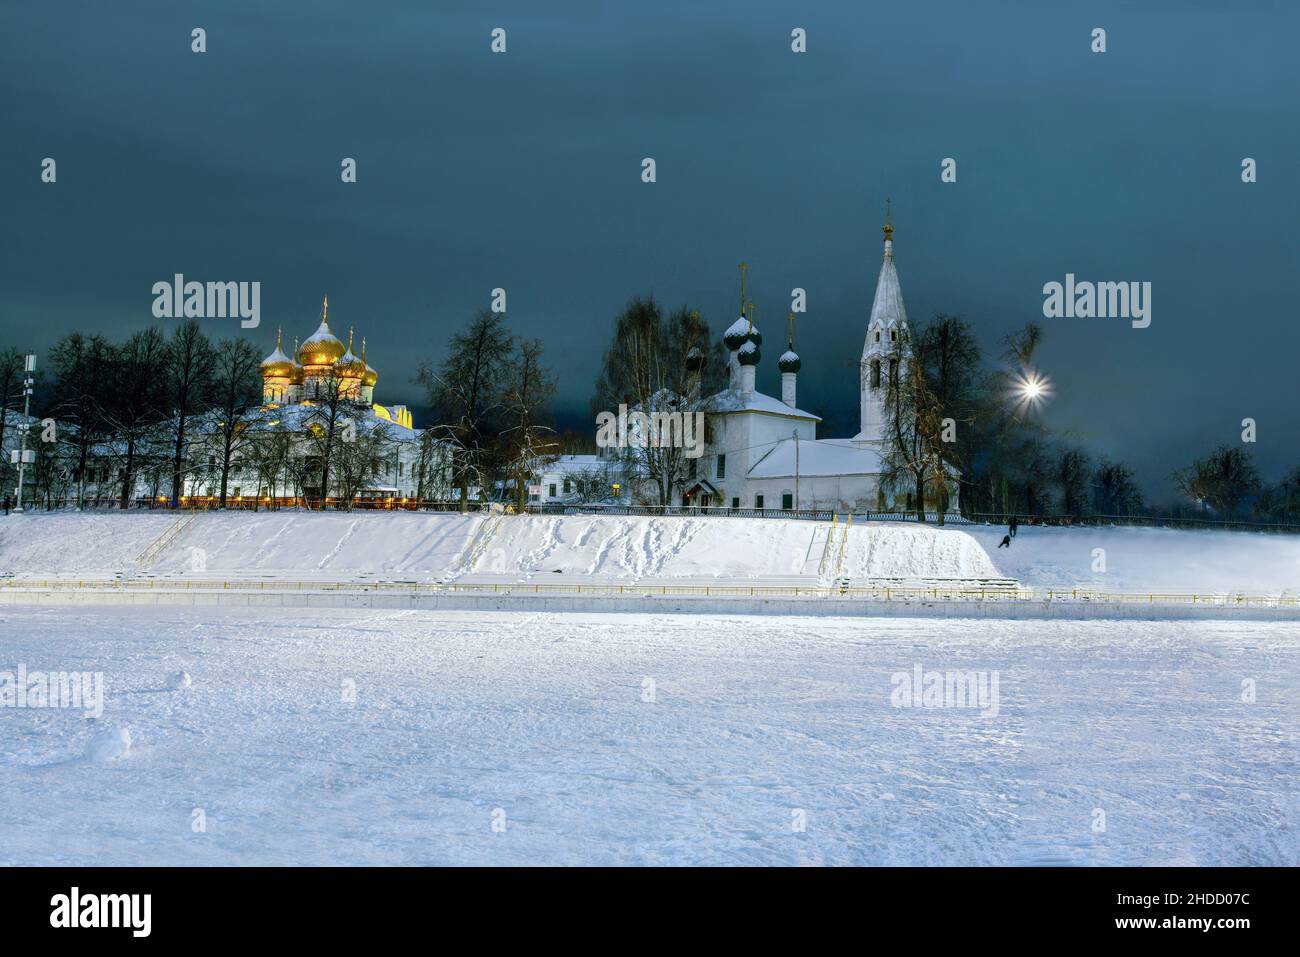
[
  {"x": 136, "y": 403},
  {"x": 162, "y": 412},
  {"x": 490, "y": 398}
]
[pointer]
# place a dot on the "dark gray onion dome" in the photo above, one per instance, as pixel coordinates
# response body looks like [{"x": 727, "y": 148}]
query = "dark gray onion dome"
[
  {"x": 736, "y": 334},
  {"x": 789, "y": 362},
  {"x": 694, "y": 360},
  {"x": 755, "y": 336},
  {"x": 748, "y": 355}
]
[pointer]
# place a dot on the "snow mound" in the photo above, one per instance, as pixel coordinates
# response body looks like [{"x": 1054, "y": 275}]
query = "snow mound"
[
  {"x": 445, "y": 546},
  {"x": 635, "y": 547},
  {"x": 109, "y": 745},
  {"x": 914, "y": 551},
  {"x": 179, "y": 681}
]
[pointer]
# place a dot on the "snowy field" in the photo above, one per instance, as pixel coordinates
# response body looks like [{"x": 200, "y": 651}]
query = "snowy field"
[
  {"x": 541, "y": 724},
  {"x": 452, "y": 547},
  {"x": 1147, "y": 559}
]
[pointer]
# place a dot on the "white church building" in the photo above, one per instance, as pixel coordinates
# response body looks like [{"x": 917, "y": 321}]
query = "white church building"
[{"x": 763, "y": 452}]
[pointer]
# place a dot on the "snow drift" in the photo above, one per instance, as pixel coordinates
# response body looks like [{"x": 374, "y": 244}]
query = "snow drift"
[{"x": 449, "y": 546}]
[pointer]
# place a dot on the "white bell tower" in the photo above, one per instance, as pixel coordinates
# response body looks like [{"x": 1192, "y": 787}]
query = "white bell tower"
[{"x": 887, "y": 333}]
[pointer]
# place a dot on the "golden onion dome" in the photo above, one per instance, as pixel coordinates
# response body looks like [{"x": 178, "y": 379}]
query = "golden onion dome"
[
  {"x": 349, "y": 366},
  {"x": 322, "y": 347},
  {"x": 277, "y": 364},
  {"x": 370, "y": 376}
]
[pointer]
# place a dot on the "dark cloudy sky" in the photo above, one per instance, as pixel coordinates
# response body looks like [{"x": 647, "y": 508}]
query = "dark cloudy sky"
[{"x": 522, "y": 171}]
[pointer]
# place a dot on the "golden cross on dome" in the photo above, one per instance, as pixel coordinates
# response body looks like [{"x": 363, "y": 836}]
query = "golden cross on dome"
[
  {"x": 325, "y": 311},
  {"x": 751, "y": 315},
  {"x": 789, "y": 318},
  {"x": 743, "y": 267},
  {"x": 888, "y": 229}
]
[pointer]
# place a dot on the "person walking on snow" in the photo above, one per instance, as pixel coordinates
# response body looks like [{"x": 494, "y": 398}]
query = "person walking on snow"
[{"x": 1012, "y": 529}]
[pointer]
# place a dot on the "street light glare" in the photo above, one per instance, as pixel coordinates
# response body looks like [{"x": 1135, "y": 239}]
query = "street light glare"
[{"x": 1030, "y": 389}]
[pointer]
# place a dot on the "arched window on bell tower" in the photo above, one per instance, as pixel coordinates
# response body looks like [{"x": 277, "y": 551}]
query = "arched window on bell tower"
[{"x": 875, "y": 372}]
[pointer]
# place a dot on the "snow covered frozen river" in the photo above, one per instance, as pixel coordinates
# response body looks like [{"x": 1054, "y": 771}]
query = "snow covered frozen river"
[{"x": 362, "y": 737}]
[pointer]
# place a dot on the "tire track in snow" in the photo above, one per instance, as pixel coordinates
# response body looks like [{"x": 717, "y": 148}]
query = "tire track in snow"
[
  {"x": 439, "y": 532},
  {"x": 338, "y": 546},
  {"x": 264, "y": 549}
]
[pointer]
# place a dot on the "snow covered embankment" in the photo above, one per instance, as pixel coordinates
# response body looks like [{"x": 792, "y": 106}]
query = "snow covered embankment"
[
  {"x": 433, "y": 547},
  {"x": 1161, "y": 560}
]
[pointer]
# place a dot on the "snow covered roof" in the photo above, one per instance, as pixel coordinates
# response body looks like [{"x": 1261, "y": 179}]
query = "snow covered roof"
[
  {"x": 297, "y": 417},
  {"x": 738, "y": 328},
  {"x": 323, "y": 345},
  {"x": 817, "y": 457},
  {"x": 275, "y": 356},
  {"x": 576, "y": 463},
  {"x": 733, "y": 400}
]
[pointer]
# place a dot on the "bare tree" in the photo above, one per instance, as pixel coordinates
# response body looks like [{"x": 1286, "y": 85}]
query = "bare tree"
[
  {"x": 951, "y": 358},
  {"x": 188, "y": 380},
  {"x": 267, "y": 452},
  {"x": 432, "y": 478},
  {"x": 914, "y": 449},
  {"x": 357, "y": 460},
  {"x": 1114, "y": 490},
  {"x": 661, "y": 368},
  {"x": 528, "y": 439},
  {"x": 83, "y": 369},
  {"x": 593, "y": 484},
  {"x": 133, "y": 407},
  {"x": 1221, "y": 481},
  {"x": 1072, "y": 475},
  {"x": 465, "y": 393},
  {"x": 330, "y": 419},
  {"x": 236, "y": 386}
]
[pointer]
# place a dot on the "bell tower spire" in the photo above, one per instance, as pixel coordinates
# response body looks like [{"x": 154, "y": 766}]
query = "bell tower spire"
[{"x": 887, "y": 339}]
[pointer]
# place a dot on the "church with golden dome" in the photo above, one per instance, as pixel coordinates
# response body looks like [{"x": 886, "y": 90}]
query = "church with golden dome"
[{"x": 318, "y": 365}]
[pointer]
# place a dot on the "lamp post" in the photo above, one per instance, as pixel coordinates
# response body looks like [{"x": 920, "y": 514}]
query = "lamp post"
[{"x": 23, "y": 427}]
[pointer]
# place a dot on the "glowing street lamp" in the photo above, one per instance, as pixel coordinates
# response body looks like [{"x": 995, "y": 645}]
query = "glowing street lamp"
[{"x": 1030, "y": 389}]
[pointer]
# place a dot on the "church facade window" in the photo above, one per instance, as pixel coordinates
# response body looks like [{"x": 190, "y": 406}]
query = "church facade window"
[
  {"x": 722, "y": 466},
  {"x": 875, "y": 372}
]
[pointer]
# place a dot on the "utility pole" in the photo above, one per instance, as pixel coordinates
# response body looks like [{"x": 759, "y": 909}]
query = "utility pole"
[{"x": 23, "y": 427}]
